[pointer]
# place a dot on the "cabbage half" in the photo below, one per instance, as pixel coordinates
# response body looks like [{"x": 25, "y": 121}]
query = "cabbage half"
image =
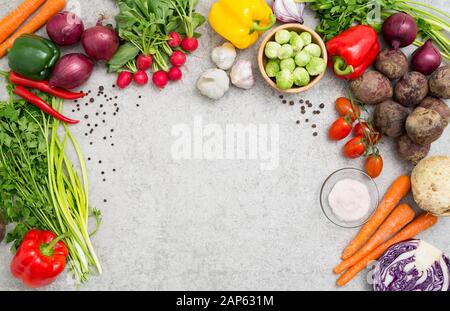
[{"x": 413, "y": 265}]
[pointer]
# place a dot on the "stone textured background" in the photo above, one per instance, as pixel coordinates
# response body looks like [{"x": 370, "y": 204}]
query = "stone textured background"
[{"x": 212, "y": 225}]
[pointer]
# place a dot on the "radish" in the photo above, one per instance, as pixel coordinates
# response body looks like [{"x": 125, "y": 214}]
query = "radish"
[
  {"x": 143, "y": 62},
  {"x": 174, "y": 39},
  {"x": 124, "y": 79},
  {"x": 141, "y": 78},
  {"x": 189, "y": 44},
  {"x": 160, "y": 79},
  {"x": 177, "y": 58},
  {"x": 175, "y": 73}
]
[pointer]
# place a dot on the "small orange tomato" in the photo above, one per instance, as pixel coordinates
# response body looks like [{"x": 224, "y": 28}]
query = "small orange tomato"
[
  {"x": 339, "y": 129},
  {"x": 345, "y": 108},
  {"x": 374, "y": 165}
]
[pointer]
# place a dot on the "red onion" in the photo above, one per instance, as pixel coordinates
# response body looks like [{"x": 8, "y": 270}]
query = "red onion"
[
  {"x": 100, "y": 42},
  {"x": 71, "y": 71},
  {"x": 65, "y": 28},
  {"x": 399, "y": 30},
  {"x": 289, "y": 11},
  {"x": 426, "y": 59}
]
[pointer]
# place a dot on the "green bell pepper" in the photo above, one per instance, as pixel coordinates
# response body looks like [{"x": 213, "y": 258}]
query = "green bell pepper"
[{"x": 33, "y": 56}]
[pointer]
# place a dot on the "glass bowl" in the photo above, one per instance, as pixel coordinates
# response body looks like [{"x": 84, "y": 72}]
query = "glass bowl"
[{"x": 355, "y": 174}]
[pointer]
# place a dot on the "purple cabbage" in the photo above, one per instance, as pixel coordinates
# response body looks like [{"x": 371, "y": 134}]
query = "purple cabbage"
[{"x": 413, "y": 265}]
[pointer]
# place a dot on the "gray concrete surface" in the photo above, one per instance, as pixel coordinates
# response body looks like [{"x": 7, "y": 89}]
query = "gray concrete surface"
[{"x": 212, "y": 224}]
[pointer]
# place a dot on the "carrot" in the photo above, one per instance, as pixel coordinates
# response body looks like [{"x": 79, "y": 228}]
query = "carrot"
[
  {"x": 14, "y": 19},
  {"x": 400, "y": 217},
  {"x": 50, "y": 8},
  {"x": 418, "y": 225},
  {"x": 398, "y": 189}
]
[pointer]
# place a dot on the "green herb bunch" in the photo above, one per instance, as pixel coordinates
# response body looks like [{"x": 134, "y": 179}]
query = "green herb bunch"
[{"x": 39, "y": 185}]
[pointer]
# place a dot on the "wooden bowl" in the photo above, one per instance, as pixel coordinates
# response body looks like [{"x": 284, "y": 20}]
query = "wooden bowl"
[{"x": 262, "y": 59}]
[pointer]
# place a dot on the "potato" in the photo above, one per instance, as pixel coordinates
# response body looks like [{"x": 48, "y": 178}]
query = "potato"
[
  {"x": 440, "y": 82},
  {"x": 390, "y": 117},
  {"x": 392, "y": 63},
  {"x": 430, "y": 184},
  {"x": 410, "y": 151},
  {"x": 411, "y": 89},
  {"x": 424, "y": 126},
  {"x": 372, "y": 88},
  {"x": 439, "y": 106}
]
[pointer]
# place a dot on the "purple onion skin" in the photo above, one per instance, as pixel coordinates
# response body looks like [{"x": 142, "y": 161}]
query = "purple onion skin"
[
  {"x": 399, "y": 30},
  {"x": 65, "y": 28},
  {"x": 426, "y": 59},
  {"x": 71, "y": 71},
  {"x": 100, "y": 42}
]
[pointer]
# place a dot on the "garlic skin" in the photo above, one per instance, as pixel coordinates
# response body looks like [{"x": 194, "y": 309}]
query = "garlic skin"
[
  {"x": 224, "y": 56},
  {"x": 242, "y": 75},
  {"x": 213, "y": 83}
]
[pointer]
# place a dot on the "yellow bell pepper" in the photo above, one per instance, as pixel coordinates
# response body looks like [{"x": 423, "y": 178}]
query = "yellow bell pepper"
[{"x": 241, "y": 21}]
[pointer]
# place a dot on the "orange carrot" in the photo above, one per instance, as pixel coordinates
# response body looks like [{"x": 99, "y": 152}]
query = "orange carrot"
[
  {"x": 399, "y": 188},
  {"x": 15, "y": 18},
  {"x": 418, "y": 225},
  {"x": 400, "y": 217},
  {"x": 50, "y": 8}
]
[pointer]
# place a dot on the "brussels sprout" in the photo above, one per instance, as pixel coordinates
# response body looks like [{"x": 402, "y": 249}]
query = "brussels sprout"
[
  {"x": 297, "y": 43},
  {"x": 288, "y": 64},
  {"x": 302, "y": 58},
  {"x": 282, "y": 36},
  {"x": 301, "y": 76},
  {"x": 271, "y": 49},
  {"x": 286, "y": 51},
  {"x": 293, "y": 35},
  {"x": 285, "y": 79},
  {"x": 313, "y": 49},
  {"x": 272, "y": 68},
  {"x": 306, "y": 37},
  {"x": 316, "y": 66}
]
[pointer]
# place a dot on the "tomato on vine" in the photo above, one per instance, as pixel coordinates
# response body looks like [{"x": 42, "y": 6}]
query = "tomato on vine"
[
  {"x": 340, "y": 129},
  {"x": 354, "y": 148},
  {"x": 346, "y": 107},
  {"x": 374, "y": 165},
  {"x": 364, "y": 129}
]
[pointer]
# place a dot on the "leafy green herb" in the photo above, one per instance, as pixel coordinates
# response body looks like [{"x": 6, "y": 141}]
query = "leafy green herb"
[{"x": 39, "y": 185}]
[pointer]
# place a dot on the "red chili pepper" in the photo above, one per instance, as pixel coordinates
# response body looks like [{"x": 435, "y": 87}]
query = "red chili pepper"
[
  {"x": 40, "y": 258},
  {"x": 43, "y": 86},
  {"x": 38, "y": 102},
  {"x": 353, "y": 51}
]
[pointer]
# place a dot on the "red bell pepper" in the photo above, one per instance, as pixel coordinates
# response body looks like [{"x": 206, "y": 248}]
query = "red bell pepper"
[
  {"x": 352, "y": 51},
  {"x": 43, "y": 86},
  {"x": 40, "y": 258}
]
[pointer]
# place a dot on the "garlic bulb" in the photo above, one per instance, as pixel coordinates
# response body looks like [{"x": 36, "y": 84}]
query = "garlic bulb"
[
  {"x": 224, "y": 56},
  {"x": 242, "y": 74},
  {"x": 213, "y": 83}
]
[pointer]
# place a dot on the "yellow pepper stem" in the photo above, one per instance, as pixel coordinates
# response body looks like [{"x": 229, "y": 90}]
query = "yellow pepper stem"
[{"x": 257, "y": 24}]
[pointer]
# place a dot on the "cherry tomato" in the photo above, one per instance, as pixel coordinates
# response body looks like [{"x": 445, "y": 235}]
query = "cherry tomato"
[
  {"x": 345, "y": 108},
  {"x": 374, "y": 165},
  {"x": 339, "y": 129},
  {"x": 362, "y": 129},
  {"x": 354, "y": 148}
]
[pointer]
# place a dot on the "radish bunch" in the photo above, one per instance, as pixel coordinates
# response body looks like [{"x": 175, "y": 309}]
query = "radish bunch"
[{"x": 137, "y": 70}]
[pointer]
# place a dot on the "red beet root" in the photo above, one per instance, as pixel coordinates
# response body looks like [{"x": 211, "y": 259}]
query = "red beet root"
[
  {"x": 189, "y": 44},
  {"x": 175, "y": 39},
  {"x": 160, "y": 79},
  {"x": 124, "y": 79},
  {"x": 175, "y": 74},
  {"x": 140, "y": 78},
  {"x": 178, "y": 58},
  {"x": 143, "y": 62}
]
